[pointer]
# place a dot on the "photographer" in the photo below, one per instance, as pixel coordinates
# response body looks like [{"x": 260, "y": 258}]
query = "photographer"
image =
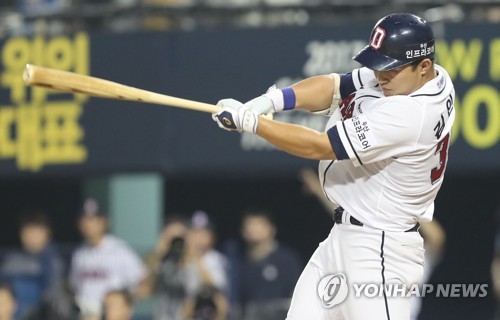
[
  {"x": 206, "y": 271},
  {"x": 187, "y": 276},
  {"x": 167, "y": 277}
]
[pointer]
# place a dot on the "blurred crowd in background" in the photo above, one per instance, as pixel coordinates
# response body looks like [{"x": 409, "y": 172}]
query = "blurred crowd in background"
[
  {"x": 184, "y": 277},
  {"x": 21, "y": 17}
]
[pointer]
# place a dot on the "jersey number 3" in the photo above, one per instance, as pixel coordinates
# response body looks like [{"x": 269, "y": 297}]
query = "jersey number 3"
[{"x": 442, "y": 150}]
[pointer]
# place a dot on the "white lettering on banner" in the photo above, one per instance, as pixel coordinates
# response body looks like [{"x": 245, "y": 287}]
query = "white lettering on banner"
[{"x": 331, "y": 56}]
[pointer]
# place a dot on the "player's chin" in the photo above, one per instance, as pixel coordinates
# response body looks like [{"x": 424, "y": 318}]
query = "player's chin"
[{"x": 388, "y": 92}]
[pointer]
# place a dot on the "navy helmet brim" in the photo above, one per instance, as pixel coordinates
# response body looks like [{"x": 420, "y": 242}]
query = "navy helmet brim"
[{"x": 374, "y": 60}]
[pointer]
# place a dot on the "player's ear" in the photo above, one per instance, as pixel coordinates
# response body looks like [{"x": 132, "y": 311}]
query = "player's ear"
[{"x": 425, "y": 67}]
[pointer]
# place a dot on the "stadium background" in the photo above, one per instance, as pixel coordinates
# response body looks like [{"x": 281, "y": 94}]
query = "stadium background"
[{"x": 144, "y": 162}]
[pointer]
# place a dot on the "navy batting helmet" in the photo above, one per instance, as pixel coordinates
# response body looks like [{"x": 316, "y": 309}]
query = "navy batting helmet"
[{"x": 397, "y": 40}]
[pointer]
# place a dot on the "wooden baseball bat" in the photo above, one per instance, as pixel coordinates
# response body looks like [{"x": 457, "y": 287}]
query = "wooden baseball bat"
[{"x": 73, "y": 82}]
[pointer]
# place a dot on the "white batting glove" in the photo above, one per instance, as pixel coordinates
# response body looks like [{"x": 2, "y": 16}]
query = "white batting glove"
[
  {"x": 234, "y": 116},
  {"x": 261, "y": 105},
  {"x": 270, "y": 102}
]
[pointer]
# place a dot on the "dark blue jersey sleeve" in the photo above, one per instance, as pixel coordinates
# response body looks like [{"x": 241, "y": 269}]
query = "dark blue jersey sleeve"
[{"x": 346, "y": 85}]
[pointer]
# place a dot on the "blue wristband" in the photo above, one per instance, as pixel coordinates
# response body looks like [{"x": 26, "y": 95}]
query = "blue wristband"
[{"x": 288, "y": 98}]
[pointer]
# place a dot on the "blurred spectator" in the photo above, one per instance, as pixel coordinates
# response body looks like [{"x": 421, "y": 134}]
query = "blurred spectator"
[
  {"x": 209, "y": 303},
  {"x": 204, "y": 265},
  {"x": 167, "y": 276},
  {"x": 269, "y": 270},
  {"x": 190, "y": 275},
  {"x": 495, "y": 266},
  {"x": 206, "y": 272},
  {"x": 7, "y": 302},
  {"x": 434, "y": 241},
  {"x": 35, "y": 272},
  {"x": 103, "y": 263},
  {"x": 312, "y": 186},
  {"x": 118, "y": 305}
]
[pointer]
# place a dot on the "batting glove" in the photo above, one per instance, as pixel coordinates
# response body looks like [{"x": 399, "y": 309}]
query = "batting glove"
[
  {"x": 261, "y": 105},
  {"x": 234, "y": 116},
  {"x": 273, "y": 101}
]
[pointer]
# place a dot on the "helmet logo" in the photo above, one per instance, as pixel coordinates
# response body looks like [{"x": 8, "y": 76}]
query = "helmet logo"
[{"x": 377, "y": 38}]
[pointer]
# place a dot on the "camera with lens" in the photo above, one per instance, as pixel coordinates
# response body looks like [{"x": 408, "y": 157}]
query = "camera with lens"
[
  {"x": 176, "y": 251},
  {"x": 170, "y": 278}
]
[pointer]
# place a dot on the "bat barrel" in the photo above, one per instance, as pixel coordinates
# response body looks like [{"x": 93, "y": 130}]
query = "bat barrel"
[{"x": 96, "y": 87}]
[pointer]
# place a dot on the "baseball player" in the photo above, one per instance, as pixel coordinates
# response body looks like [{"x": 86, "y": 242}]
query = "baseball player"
[{"x": 383, "y": 155}]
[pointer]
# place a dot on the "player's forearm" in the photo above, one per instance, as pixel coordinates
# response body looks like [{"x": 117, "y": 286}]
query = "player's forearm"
[
  {"x": 314, "y": 94},
  {"x": 297, "y": 140}
]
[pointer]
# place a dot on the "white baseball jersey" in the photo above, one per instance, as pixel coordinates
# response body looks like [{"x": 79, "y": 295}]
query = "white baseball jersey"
[
  {"x": 95, "y": 270},
  {"x": 392, "y": 150}
]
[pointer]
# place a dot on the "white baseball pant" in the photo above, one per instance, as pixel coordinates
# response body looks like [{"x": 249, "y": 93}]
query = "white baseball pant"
[{"x": 366, "y": 256}]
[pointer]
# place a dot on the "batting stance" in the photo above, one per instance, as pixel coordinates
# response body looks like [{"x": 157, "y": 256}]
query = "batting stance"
[{"x": 383, "y": 156}]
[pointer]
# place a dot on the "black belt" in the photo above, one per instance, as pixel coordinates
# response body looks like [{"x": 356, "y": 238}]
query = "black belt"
[{"x": 339, "y": 212}]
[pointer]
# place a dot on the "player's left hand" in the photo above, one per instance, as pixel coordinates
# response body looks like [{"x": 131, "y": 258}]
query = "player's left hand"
[
  {"x": 265, "y": 104},
  {"x": 261, "y": 105},
  {"x": 234, "y": 116}
]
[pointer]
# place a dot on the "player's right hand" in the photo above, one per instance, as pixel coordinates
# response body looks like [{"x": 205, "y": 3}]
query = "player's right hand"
[{"x": 233, "y": 116}]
